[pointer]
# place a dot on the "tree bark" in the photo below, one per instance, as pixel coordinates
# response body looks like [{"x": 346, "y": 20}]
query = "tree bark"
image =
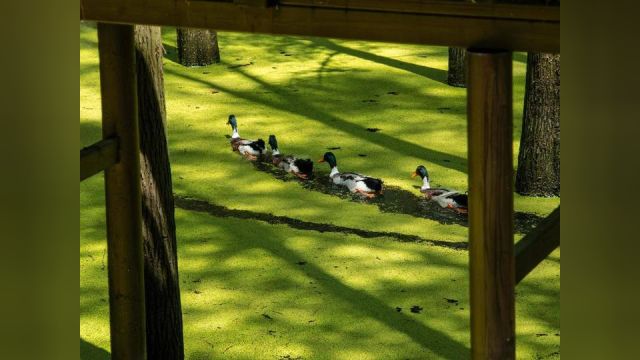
[
  {"x": 457, "y": 65},
  {"x": 538, "y": 171},
  {"x": 162, "y": 290},
  {"x": 197, "y": 47}
]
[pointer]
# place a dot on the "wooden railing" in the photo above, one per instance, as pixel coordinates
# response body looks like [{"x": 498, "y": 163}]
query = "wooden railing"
[
  {"x": 98, "y": 157},
  {"x": 461, "y": 24}
]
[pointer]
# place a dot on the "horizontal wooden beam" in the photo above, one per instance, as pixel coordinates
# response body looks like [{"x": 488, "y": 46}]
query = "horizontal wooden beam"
[
  {"x": 98, "y": 157},
  {"x": 255, "y": 3},
  {"x": 488, "y": 10},
  {"x": 537, "y": 245},
  {"x": 511, "y": 27}
]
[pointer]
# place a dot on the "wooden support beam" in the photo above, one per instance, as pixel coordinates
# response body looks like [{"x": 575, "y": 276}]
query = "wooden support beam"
[
  {"x": 515, "y": 27},
  {"x": 537, "y": 245},
  {"x": 252, "y": 3},
  {"x": 122, "y": 189},
  {"x": 491, "y": 250},
  {"x": 486, "y": 10},
  {"x": 98, "y": 157}
]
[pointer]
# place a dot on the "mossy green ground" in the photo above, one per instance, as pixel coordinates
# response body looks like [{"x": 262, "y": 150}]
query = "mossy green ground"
[{"x": 341, "y": 303}]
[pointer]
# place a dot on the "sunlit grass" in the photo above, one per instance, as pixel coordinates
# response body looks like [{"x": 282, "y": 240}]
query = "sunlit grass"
[{"x": 329, "y": 295}]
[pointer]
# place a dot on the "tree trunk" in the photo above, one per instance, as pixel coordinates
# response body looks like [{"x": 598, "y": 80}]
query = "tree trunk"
[
  {"x": 216, "y": 49},
  {"x": 457, "y": 66},
  {"x": 162, "y": 291},
  {"x": 197, "y": 47},
  {"x": 539, "y": 158}
]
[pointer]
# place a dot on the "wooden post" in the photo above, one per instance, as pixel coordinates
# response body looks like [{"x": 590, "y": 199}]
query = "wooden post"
[
  {"x": 122, "y": 188},
  {"x": 491, "y": 248}
]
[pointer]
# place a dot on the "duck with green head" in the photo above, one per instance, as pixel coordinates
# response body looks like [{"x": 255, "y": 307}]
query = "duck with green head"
[
  {"x": 444, "y": 197},
  {"x": 356, "y": 183},
  {"x": 250, "y": 149},
  {"x": 302, "y": 168}
]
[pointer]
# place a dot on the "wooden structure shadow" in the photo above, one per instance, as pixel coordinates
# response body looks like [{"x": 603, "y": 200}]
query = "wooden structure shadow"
[{"x": 490, "y": 31}]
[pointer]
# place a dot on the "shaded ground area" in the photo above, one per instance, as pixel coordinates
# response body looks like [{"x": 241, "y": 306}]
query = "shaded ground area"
[
  {"x": 222, "y": 211},
  {"x": 90, "y": 351}
]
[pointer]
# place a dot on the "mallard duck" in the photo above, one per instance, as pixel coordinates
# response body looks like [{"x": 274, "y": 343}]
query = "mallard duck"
[
  {"x": 302, "y": 168},
  {"x": 248, "y": 148},
  {"x": 424, "y": 175},
  {"x": 356, "y": 183},
  {"x": 444, "y": 197}
]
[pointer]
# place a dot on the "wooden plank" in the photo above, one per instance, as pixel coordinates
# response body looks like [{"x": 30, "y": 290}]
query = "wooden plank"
[
  {"x": 533, "y": 33},
  {"x": 491, "y": 249},
  {"x": 254, "y": 3},
  {"x": 537, "y": 245},
  {"x": 453, "y": 8},
  {"x": 98, "y": 157},
  {"x": 122, "y": 190}
]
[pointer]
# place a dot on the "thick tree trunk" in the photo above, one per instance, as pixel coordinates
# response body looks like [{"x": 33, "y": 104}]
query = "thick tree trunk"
[
  {"x": 197, "y": 47},
  {"x": 162, "y": 291},
  {"x": 457, "y": 66},
  {"x": 539, "y": 159}
]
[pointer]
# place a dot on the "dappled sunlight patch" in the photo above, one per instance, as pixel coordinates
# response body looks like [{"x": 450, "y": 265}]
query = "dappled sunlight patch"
[
  {"x": 93, "y": 248},
  {"x": 359, "y": 252},
  {"x": 554, "y": 256},
  {"x": 95, "y": 329},
  {"x": 364, "y": 354},
  {"x": 247, "y": 258},
  {"x": 212, "y": 314},
  {"x": 303, "y": 241},
  {"x": 195, "y": 264},
  {"x": 94, "y": 297},
  {"x": 207, "y": 247},
  {"x": 94, "y": 325},
  {"x": 537, "y": 205}
]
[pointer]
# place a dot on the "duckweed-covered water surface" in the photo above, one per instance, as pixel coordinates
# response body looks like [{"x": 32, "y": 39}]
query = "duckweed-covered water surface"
[{"x": 272, "y": 267}]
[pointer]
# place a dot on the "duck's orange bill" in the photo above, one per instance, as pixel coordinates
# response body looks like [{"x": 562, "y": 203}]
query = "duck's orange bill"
[
  {"x": 414, "y": 174},
  {"x": 321, "y": 160}
]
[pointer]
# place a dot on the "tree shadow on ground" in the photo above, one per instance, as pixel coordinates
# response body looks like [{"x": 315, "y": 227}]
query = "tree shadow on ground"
[
  {"x": 88, "y": 43},
  {"x": 520, "y": 57},
  {"x": 90, "y": 351},
  {"x": 90, "y": 133},
  {"x": 362, "y": 305},
  {"x": 428, "y": 72},
  {"x": 192, "y": 204},
  {"x": 435, "y": 340}
]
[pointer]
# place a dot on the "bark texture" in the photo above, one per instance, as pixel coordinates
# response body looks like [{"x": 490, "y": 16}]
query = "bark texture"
[
  {"x": 457, "y": 65},
  {"x": 538, "y": 171},
  {"x": 162, "y": 290},
  {"x": 197, "y": 47}
]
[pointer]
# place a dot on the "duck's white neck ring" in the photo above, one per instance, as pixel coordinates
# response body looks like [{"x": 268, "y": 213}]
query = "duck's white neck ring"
[
  {"x": 334, "y": 171},
  {"x": 235, "y": 134},
  {"x": 425, "y": 184},
  {"x": 275, "y": 151}
]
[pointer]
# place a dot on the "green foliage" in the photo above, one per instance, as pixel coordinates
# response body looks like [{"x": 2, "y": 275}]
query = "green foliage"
[{"x": 254, "y": 290}]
